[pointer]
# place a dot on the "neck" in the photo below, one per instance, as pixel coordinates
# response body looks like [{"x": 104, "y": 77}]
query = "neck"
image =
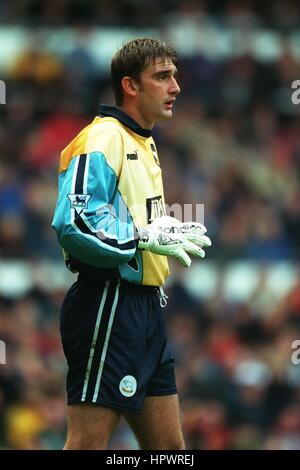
[{"x": 137, "y": 116}]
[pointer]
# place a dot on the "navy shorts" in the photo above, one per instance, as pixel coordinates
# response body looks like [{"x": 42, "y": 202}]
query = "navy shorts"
[{"x": 114, "y": 340}]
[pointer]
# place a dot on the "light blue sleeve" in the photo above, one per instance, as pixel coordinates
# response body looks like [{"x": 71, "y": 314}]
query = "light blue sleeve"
[{"x": 91, "y": 219}]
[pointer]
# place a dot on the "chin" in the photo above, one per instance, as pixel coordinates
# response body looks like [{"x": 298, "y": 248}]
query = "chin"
[{"x": 167, "y": 114}]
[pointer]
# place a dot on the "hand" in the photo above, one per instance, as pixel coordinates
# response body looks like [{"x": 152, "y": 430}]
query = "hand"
[
  {"x": 168, "y": 236},
  {"x": 192, "y": 231}
]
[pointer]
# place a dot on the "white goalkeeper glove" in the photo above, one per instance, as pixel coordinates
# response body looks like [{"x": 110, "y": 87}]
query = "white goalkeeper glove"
[{"x": 170, "y": 237}]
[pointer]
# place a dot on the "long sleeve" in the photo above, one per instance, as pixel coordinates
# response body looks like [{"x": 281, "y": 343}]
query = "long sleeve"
[{"x": 91, "y": 218}]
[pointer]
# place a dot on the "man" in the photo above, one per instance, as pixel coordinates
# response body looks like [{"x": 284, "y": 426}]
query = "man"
[{"x": 110, "y": 220}]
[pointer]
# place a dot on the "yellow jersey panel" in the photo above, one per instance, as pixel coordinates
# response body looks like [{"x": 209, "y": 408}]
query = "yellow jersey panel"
[{"x": 114, "y": 150}]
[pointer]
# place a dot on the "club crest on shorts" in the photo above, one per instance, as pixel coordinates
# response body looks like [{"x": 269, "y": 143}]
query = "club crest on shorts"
[
  {"x": 128, "y": 386},
  {"x": 79, "y": 201}
]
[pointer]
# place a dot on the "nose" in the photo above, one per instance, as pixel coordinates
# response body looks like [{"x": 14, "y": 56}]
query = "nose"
[{"x": 174, "y": 88}]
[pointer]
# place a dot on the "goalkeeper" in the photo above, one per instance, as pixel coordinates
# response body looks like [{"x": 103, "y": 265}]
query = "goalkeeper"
[{"x": 111, "y": 224}]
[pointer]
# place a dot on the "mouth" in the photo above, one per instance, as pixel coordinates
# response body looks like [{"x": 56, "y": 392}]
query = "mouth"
[{"x": 169, "y": 104}]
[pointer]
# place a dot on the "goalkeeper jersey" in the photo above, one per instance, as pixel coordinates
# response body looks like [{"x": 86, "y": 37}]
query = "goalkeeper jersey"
[{"x": 110, "y": 182}]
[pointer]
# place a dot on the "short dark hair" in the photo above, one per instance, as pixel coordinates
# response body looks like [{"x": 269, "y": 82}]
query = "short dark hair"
[{"x": 133, "y": 58}]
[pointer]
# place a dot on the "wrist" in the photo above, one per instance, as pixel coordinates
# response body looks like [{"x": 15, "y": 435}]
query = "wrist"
[{"x": 144, "y": 237}]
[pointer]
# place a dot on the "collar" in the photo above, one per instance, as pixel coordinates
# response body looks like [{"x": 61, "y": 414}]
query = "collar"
[{"x": 113, "y": 111}]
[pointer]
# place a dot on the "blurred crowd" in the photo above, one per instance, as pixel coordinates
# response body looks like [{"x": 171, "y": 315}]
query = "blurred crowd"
[
  {"x": 234, "y": 146},
  {"x": 283, "y": 15}
]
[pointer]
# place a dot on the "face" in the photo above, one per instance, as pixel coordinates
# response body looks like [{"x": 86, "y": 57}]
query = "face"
[{"x": 157, "y": 91}]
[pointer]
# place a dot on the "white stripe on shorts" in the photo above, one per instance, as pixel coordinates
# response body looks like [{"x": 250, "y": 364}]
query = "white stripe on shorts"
[
  {"x": 106, "y": 341},
  {"x": 94, "y": 341}
]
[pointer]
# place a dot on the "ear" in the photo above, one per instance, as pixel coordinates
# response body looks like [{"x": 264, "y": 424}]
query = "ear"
[{"x": 129, "y": 86}]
